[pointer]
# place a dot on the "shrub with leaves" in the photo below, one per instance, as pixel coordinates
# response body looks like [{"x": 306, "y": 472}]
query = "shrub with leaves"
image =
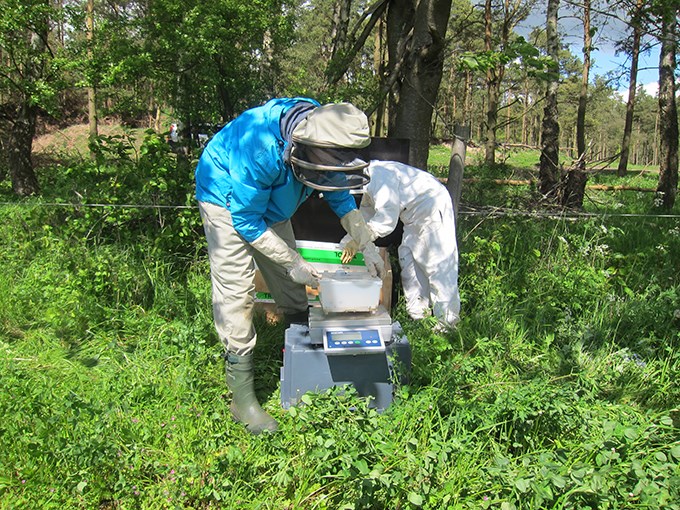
[{"x": 559, "y": 389}]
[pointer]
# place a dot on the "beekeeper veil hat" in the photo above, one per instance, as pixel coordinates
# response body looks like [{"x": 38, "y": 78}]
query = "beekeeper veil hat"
[{"x": 326, "y": 148}]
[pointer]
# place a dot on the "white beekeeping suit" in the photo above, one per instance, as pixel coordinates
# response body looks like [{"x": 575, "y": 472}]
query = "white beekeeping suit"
[{"x": 428, "y": 254}]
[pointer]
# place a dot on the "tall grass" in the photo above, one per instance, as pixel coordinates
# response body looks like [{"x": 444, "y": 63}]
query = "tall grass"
[{"x": 559, "y": 388}]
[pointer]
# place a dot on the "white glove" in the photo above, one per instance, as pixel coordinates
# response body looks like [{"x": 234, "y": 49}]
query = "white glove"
[
  {"x": 355, "y": 225},
  {"x": 305, "y": 273},
  {"x": 362, "y": 240},
  {"x": 274, "y": 248},
  {"x": 374, "y": 262}
]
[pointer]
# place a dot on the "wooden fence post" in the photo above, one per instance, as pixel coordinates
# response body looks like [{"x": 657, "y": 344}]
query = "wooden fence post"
[{"x": 454, "y": 182}]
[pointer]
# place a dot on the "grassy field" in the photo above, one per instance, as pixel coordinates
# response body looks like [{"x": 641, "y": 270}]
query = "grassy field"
[
  {"x": 512, "y": 183},
  {"x": 559, "y": 388}
]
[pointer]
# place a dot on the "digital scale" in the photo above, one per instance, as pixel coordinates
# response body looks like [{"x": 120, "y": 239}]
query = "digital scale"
[
  {"x": 352, "y": 341},
  {"x": 363, "y": 349}
]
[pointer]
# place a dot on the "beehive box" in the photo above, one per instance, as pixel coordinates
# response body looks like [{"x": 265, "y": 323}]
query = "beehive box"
[
  {"x": 349, "y": 291},
  {"x": 325, "y": 257}
]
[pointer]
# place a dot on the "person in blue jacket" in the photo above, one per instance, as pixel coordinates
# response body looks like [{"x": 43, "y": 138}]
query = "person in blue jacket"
[{"x": 251, "y": 178}]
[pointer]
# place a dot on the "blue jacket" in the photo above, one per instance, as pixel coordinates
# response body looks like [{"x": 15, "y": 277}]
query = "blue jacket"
[{"x": 243, "y": 169}]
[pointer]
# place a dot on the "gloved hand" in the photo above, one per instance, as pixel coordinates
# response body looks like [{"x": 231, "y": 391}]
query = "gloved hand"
[
  {"x": 355, "y": 225},
  {"x": 374, "y": 262},
  {"x": 276, "y": 249},
  {"x": 349, "y": 249},
  {"x": 305, "y": 273}
]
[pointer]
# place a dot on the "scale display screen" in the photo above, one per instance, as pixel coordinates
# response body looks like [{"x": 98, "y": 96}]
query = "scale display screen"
[
  {"x": 356, "y": 341},
  {"x": 341, "y": 336}
]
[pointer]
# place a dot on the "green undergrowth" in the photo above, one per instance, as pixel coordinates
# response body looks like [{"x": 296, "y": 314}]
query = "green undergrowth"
[
  {"x": 512, "y": 184},
  {"x": 559, "y": 389}
]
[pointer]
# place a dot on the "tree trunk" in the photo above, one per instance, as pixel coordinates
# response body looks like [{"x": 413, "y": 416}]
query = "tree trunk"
[
  {"x": 422, "y": 26},
  {"x": 512, "y": 14},
  {"x": 20, "y": 146},
  {"x": 525, "y": 111},
  {"x": 583, "y": 93},
  {"x": 399, "y": 30},
  {"x": 340, "y": 27},
  {"x": 380, "y": 124},
  {"x": 668, "y": 114},
  {"x": 467, "y": 101},
  {"x": 20, "y": 140},
  {"x": 549, "y": 171},
  {"x": 575, "y": 186},
  {"x": 655, "y": 154},
  {"x": 508, "y": 122},
  {"x": 349, "y": 44},
  {"x": 454, "y": 182},
  {"x": 632, "y": 89},
  {"x": 91, "y": 91},
  {"x": 492, "y": 92}
]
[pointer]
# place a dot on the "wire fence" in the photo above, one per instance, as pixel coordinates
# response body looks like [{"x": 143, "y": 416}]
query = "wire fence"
[{"x": 491, "y": 212}]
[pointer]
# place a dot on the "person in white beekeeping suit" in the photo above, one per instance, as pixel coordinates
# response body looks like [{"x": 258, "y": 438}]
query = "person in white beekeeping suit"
[{"x": 428, "y": 254}]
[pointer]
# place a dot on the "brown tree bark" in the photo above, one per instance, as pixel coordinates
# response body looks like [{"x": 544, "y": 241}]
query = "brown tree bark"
[
  {"x": 583, "y": 92},
  {"x": 20, "y": 141},
  {"x": 20, "y": 145},
  {"x": 493, "y": 86},
  {"x": 549, "y": 170},
  {"x": 467, "y": 100},
  {"x": 512, "y": 12},
  {"x": 91, "y": 91},
  {"x": 341, "y": 13},
  {"x": 525, "y": 112},
  {"x": 348, "y": 44},
  {"x": 416, "y": 41},
  {"x": 575, "y": 185},
  {"x": 667, "y": 187},
  {"x": 454, "y": 182},
  {"x": 632, "y": 89}
]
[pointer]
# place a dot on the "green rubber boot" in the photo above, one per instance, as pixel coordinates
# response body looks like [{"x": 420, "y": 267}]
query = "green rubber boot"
[{"x": 244, "y": 405}]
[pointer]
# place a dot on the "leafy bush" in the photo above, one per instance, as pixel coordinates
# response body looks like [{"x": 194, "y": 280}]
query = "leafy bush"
[{"x": 559, "y": 388}]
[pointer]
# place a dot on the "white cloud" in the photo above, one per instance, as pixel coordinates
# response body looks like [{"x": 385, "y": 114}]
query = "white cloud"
[{"x": 651, "y": 89}]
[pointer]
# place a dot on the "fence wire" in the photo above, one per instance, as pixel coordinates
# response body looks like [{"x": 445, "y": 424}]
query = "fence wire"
[{"x": 490, "y": 212}]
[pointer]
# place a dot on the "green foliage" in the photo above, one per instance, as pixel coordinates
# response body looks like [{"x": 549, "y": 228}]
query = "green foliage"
[
  {"x": 513, "y": 182},
  {"x": 215, "y": 59},
  {"x": 518, "y": 48},
  {"x": 559, "y": 389},
  {"x": 34, "y": 74},
  {"x": 141, "y": 189}
]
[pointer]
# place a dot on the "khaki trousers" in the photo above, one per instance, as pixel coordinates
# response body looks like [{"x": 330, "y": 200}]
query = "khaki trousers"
[{"x": 232, "y": 273}]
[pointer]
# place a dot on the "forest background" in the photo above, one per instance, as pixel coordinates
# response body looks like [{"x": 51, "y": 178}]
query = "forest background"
[
  {"x": 418, "y": 68},
  {"x": 560, "y": 387}
]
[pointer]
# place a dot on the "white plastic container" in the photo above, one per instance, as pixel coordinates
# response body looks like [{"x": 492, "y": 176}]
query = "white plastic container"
[{"x": 343, "y": 291}]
